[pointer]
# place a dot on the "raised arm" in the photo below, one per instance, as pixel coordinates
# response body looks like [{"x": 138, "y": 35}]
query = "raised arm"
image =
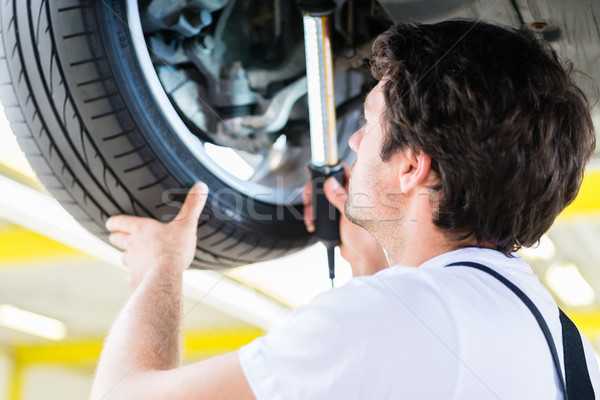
[{"x": 141, "y": 355}]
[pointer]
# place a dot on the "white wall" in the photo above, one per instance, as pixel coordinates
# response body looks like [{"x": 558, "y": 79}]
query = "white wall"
[{"x": 56, "y": 382}]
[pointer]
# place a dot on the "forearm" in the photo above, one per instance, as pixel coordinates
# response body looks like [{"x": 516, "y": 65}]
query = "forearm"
[{"x": 145, "y": 336}]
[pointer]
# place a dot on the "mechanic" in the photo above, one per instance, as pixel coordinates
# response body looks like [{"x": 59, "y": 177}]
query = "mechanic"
[{"x": 475, "y": 138}]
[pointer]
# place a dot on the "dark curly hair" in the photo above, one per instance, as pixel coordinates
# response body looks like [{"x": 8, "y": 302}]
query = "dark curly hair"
[{"x": 508, "y": 130}]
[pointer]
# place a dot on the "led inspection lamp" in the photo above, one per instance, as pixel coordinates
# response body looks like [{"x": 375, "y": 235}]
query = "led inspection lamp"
[{"x": 323, "y": 124}]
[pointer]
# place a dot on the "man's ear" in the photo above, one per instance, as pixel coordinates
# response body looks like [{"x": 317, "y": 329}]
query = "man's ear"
[{"x": 415, "y": 170}]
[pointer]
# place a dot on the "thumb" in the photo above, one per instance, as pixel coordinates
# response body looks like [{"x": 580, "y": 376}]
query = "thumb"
[
  {"x": 335, "y": 193},
  {"x": 193, "y": 204}
]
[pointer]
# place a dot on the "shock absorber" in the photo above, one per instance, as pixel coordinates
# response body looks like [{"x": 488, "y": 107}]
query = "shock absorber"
[{"x": 323, "y": 126}]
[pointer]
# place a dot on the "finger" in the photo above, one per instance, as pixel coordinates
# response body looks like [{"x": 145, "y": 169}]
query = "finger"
[
  {"x": 193, "y": 204},
  {"x": 122, "y": 223},
  {"x": 307, "y": 194},
  {"x": 308, "y": 209},
  {"x": 309, "y": 219},
  {"x": 119, "y": 240},
  {"x": 335, "y": 193},
  {"x": 307, "y": 190}
]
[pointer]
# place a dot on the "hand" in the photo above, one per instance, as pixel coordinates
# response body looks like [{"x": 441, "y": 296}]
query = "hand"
[
  {"x": 148, "y": 244},
  {"x": 358, "y": 247}
]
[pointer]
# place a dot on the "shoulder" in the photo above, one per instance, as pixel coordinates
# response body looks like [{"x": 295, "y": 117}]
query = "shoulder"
[
  {"x": 385, "y": 329},
  {"x": 397, "y": 284},
  {"x": 394, "y": 299},
  {"x": 440, "y": 296}
]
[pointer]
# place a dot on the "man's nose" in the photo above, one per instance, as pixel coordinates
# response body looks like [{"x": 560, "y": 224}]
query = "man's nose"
[{"x": 355, "y": 139}]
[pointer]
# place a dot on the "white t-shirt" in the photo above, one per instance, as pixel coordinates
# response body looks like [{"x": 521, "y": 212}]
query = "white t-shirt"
[{"x": 417, "y": 333}]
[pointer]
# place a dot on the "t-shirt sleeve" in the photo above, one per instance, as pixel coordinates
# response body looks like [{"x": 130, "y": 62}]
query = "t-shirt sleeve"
[{"x": 306, "y": 358}]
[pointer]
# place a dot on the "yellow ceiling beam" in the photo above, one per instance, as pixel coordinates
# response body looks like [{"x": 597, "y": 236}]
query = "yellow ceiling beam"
[
  {"x": 21, "y": 175},
  {"x": 588, "y": 322},
  {"x": 85, "y": 353},
  {"x": 80, "y": 354},
  {"x": 588, "y": 199},
  {"x": 15, "y": 389},
  {"x": 19, "y": 245}
]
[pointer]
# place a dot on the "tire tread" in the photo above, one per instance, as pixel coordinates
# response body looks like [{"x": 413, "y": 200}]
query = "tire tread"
[{"x": 51, "y": 126}]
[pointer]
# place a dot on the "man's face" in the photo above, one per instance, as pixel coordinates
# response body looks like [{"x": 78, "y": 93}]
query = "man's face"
[{"x": 374, "y": 194}]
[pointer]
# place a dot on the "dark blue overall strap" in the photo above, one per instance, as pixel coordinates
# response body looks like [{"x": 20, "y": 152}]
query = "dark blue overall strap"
[
  {"x": 579, "y": 384},
  {"x": 534, "y": 310}
]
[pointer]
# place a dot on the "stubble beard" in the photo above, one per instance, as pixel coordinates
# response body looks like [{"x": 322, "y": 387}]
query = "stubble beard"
[
  {"x": 363, "y": 221},
  {"x": 384, "y": 227}
]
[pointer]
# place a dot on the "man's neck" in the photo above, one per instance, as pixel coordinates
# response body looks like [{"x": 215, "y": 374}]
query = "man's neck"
[
  {"x": 414, "y": 238},
  {"x": 414, "y": 247}
]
